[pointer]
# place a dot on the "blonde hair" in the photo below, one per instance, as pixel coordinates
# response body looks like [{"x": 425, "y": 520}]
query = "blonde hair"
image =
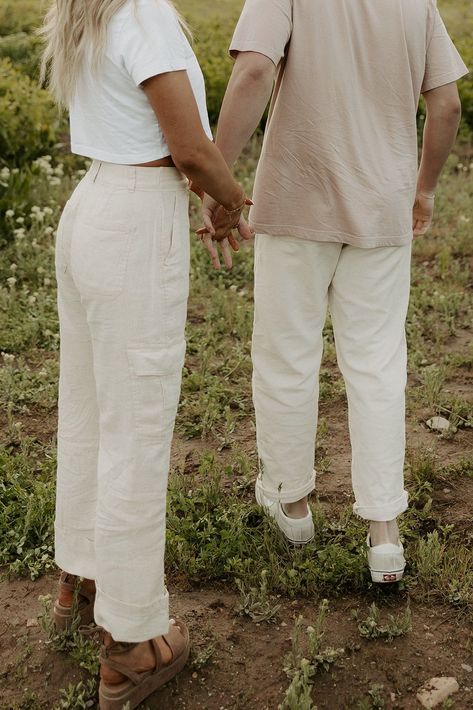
[{"x": 69, "y": 28}]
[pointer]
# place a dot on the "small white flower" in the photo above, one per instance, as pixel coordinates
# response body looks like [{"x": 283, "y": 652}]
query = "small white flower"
[
  {"x": 11, "y": 281},
  {"x": 40, "y": 270},
  {"x": 31, "y": 300},
  {"x": 9, "y": 214},
  {"x": 47, "y": 282},
  {"x": 7, "y": 357},
  {"x": 48, "y": 231},
  {"x": 47, "y": 210},
  {"x": 20, "y": 220},
  {"x": 13, "y": 267}
]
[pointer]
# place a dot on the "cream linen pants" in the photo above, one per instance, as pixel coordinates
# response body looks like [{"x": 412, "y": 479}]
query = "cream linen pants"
[
  {"x": 367, "y": 294},
  {"x": 122, "y": 262}
]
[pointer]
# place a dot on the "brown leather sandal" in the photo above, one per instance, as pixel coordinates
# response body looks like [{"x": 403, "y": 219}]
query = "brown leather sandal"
[
  {"x": 135, "y": 686},
  {"x": 64, "y": 615}
]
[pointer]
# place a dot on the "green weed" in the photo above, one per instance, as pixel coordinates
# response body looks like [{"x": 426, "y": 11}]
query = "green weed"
[
  {"x": 256, "y": 602},
  {"x": 372, "y": 628}
]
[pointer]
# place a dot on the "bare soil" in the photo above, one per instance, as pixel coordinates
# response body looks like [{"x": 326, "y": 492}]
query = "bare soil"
[{"x": 246, "y": 669}]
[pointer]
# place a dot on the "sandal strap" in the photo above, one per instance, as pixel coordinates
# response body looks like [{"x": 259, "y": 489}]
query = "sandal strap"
[
  {"x": 175, "y": 640},
  {"x": 105, "y": 660},
  {"x": 70, "y": 582}
]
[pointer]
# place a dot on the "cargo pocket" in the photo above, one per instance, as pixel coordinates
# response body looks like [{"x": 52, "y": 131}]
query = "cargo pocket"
[{"x": 156, "y": 383}]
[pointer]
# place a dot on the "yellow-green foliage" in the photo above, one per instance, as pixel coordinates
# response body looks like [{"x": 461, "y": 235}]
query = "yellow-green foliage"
[
  {"x": 20, "y": 15},
  {"x": 458, "y": 18},
  {"x": 24, "y": 50},
  {"x": 212, "y": 29},
  {"x": 29, "y": 122}
]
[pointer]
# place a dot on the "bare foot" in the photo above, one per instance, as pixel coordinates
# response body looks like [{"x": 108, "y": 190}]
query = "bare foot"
[{"x": 299, "y": 509}]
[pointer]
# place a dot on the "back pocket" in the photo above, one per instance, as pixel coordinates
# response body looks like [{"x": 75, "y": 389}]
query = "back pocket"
[{"x": 99, "y": 259}]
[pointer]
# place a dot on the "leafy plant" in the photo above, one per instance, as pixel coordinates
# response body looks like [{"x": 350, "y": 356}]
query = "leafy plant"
[
  {"x": 256, "y": 602},
  {"x": 372, "y": 628}
]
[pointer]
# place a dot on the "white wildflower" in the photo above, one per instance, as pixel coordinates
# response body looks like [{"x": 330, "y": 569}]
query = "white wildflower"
[{"x": 9, "y": 214}]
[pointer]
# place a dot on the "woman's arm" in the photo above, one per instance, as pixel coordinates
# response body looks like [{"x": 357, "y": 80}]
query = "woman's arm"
[
  {"x": 174, "y": 104},
  {"x": 173, "y": 101}
]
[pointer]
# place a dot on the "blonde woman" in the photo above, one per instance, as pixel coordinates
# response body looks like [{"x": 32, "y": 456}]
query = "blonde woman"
[{"x": 136, "y": 96}]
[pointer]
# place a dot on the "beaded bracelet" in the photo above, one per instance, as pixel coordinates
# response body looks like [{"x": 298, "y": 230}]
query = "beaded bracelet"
[{"x": 237, "y": 209}]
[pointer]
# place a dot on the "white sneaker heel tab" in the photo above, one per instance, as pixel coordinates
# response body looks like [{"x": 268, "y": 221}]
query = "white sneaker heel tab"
[
  {"x": 299, "y": 531},
  {"x": 386, "y": 562}
]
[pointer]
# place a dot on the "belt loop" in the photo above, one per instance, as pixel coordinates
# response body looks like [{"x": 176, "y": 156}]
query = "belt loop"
[
  {"x": 95, "y": 169},
  {"x": 131, "y": 179}
]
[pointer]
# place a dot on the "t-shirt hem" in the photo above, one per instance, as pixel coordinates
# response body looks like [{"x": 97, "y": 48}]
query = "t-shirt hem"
[
  {"x": 94, "y": 154},
  {"x": 442, "y": 79},
  {"x": 252, "y": 46},
  {"x": 314, "y": 235}
]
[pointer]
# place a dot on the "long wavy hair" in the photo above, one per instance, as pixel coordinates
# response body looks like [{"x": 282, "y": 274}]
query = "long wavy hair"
[{"x": 69, "y": 28}]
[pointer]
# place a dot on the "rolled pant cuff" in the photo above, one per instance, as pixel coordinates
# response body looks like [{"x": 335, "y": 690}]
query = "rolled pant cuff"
[
  {"x": 75, "y": 552},
  {"x": 286, "y": 495},
  {"x": 383, "y": 513},
  {"x": 130, "y": 623}
]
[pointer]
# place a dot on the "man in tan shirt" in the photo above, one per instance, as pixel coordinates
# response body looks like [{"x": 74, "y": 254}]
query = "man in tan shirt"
[{"x": 338, "y": 198}]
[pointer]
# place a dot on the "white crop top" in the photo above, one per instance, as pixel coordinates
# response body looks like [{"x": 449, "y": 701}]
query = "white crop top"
[{"x": 111, "y": 118}]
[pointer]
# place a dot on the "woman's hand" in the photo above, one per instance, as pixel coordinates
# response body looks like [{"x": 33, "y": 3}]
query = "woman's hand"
[{"x": 219, "y": 225}]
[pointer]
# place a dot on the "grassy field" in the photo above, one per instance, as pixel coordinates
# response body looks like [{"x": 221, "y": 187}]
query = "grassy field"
[{"x": 271, "y": 627}]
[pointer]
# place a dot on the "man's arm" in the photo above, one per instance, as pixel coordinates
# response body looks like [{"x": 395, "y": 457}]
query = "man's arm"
[
  {"x": 441, "y": 127},
  {"x": 246, "y": 98}
]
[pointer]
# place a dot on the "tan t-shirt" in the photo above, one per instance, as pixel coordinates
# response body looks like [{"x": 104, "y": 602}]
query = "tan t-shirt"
[{"x": 339, "y": 160}]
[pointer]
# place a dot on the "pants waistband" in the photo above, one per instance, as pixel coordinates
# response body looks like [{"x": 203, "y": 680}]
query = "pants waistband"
[{"x": 136, "y": 178}]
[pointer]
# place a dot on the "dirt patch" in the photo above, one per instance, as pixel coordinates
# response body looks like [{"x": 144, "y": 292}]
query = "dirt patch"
[{"x": 246, "y": 668}]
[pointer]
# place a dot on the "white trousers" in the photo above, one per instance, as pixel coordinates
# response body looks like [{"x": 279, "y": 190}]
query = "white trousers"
[
  {"x": 122, "y": 262},
  {"x": 367, "y": 293}
]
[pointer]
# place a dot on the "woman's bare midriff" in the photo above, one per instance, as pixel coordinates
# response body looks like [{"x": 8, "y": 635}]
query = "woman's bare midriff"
[{"x": 167, "y": 162}]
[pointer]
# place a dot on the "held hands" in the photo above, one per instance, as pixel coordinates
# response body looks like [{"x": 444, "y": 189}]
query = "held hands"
[
  {"x": 219, "y": 225},
  {"x": 423, "y": 213}
]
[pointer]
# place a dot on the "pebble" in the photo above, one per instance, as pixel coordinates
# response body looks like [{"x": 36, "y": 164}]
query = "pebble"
[
  {"x": 436, "y": 690},
  {"x": 438, "y": 423},
  {"x": 31, "y": 622},
  {"x": 467, "y": 668}
]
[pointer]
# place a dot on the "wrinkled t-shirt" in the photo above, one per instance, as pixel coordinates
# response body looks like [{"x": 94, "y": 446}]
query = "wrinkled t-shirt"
[{"x": 340, "y": 156}]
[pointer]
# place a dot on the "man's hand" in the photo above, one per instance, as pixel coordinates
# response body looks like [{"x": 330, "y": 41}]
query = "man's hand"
[{"x": 422, "y": 213}]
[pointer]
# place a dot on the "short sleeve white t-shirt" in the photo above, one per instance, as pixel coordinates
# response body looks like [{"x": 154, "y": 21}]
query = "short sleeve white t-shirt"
[{"x": 111, "y": 118}]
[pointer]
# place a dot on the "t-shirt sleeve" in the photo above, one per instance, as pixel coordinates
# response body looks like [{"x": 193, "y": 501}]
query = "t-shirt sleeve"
[
  {"x": 443, "y": 62},
  {"x": 152, "y": 41},
  {"x": 265, "y": 26}
]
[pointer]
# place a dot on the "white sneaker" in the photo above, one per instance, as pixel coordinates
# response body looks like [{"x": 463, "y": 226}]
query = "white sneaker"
[
  {"x": 386, "y": 562},
  {"x": 299, "y": 531}
]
